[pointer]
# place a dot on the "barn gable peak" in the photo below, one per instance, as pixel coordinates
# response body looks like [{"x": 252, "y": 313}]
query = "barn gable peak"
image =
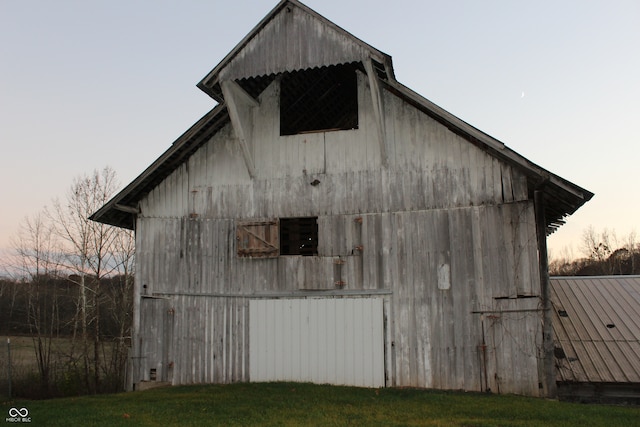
[
  {"x": 296, "y": 46},
  {"x": 292, "y": 37}
]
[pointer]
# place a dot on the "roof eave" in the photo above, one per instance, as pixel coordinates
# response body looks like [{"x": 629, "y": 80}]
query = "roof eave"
[
  {"x": 574, "y": 196},
  {"x": 122, "y": 209}
]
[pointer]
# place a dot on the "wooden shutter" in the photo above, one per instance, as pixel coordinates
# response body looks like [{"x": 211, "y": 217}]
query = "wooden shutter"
[{"x": 258, "y": 239}]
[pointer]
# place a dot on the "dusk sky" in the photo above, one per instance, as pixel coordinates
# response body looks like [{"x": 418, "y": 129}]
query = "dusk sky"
[{"x": 89, "y": 84}]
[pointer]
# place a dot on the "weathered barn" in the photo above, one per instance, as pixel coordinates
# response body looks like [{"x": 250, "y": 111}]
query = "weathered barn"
[
  {"x": 325, "y": 223},
  {"x": 597, "y": 337}
]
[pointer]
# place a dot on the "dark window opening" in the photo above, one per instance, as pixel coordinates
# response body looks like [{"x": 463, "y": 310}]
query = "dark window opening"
[
  {"x": 319, "y": 99},
  {"x": 299, "y": 236}
]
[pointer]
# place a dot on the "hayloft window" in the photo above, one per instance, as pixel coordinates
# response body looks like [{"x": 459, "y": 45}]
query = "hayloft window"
[
  {"x": 274, "y": 237},
  {"x": 299, "y": 236},
  {"x": 319, "y": 99}
]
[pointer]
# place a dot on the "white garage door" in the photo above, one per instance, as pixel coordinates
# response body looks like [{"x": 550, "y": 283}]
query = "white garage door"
[{"x": 319, "y": 340}]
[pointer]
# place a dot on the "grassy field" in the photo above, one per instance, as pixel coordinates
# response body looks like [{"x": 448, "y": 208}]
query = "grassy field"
[
  {"x": 289, "y": 404},
  {"x": 23, "y": 359},
  {"x": 66, "y": 369},
  {"x": 23, "y": 354}
]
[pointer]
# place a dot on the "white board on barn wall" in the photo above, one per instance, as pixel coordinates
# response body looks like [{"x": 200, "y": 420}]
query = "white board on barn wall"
[{"x": 319, "y": 340}]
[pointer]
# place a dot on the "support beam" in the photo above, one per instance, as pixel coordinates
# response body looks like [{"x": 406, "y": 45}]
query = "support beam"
[
  {"x": 549, "y": 371},
  {"x": 376, "y": 99},
  {"x": 240, "y": 105}
]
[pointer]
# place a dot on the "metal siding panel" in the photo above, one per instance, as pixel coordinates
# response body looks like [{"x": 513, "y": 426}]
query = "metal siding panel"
[
  {"x": 341, "y": 341},
  {"x": 257, "y": 339},
  {"x": 322, "y": 340}
]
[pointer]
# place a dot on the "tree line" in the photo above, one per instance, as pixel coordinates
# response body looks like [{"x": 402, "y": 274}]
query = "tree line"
[
  {"x": 604, "y": 254},
  {"x": 50, "y": 301},
  {"x": 70, "y": 280}
]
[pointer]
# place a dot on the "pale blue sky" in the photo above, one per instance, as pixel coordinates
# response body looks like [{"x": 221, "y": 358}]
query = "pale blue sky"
[{"x": 85, "y": 84}]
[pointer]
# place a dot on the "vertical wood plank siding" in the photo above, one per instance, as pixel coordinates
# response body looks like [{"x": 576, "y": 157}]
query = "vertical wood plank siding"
[{"x": 443, "y": 210}]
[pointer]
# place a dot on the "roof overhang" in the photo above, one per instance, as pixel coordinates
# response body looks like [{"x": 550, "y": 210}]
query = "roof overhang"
[
  {"x": 122, "y": 209},
  {"x": 561, "y": 197}
]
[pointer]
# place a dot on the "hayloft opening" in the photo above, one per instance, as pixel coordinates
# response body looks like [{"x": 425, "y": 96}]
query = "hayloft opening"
[
  {"x": 299, "y": 236},
  {"x": 319, "y": 99},
  {"x": 274, "y": 237}
]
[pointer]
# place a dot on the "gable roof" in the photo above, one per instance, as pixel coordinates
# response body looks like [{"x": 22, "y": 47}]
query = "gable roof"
[
  {"x": 291, "y": 37},
  {"x": 249, "y": 61},
  {"x": 596, "y": 325}
]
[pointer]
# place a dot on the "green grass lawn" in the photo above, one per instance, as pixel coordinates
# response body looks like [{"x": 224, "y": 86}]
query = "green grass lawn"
[{"x": 290, "y": 404}]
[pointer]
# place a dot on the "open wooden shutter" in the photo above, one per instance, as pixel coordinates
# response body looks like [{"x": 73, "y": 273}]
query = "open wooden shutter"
[{"x": 258, "y": 239}]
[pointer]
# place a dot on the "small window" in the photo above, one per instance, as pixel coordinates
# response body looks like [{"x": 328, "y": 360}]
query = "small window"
[
  {"x": 299, "y": 236},
  {"x": 319, "y": 99}
]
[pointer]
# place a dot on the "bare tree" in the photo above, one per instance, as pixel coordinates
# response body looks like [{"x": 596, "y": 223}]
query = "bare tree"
[
  {"x": 632, "y": 247},
  {"x": 598, "y": 248},
  {"x": 120, "y": 305},
  {"x": 604, "y": 254},
  {"x": 88, "y": 247},
  {"x": 65, "y": 271},
  {"x": 39, "y": 264}
]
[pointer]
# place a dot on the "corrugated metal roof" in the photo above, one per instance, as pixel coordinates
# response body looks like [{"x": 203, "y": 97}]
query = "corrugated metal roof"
[{"x": 597, "y": 328}]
